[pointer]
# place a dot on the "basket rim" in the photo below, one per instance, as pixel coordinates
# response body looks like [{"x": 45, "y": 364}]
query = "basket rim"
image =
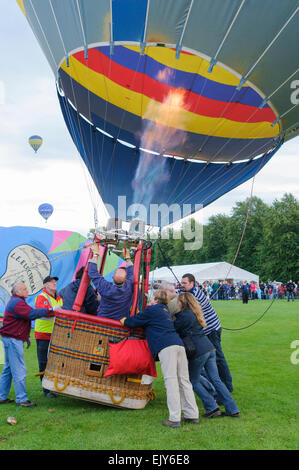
[{"x": 71, "y": 315}]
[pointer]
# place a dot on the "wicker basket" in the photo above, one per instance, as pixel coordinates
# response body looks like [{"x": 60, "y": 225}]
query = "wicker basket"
[{"x": 79, "y": 356}]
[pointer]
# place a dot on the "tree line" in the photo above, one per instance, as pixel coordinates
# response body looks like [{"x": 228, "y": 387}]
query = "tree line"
[{"x": 269, "y": 248}]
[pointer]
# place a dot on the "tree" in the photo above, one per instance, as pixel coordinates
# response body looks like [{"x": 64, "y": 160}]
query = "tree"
[
  {"x": 269, "y": 247},
  {"x": 249, "y": 254},
  {"x": 215, "y": 239},
  {"x": 280, "y": 252}
]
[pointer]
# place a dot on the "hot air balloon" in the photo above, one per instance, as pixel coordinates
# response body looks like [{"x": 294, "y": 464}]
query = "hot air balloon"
[
  {"x": 46, "y": 210},
  {"x": 35, "y": 141},
  {"x": 177, "y": 101}
]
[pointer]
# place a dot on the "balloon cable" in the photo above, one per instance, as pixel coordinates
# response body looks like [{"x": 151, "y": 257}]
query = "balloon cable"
[{"x": 235, "y": 257}]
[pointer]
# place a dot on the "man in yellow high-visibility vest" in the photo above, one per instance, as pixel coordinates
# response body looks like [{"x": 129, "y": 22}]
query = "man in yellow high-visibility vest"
[{"x": 48, "y": 298}]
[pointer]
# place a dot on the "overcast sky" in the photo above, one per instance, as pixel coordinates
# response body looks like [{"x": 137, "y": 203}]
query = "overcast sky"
[{"x": 56, "y": 174}]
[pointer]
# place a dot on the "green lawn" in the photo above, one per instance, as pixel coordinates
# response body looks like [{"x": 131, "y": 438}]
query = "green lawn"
[{"x": 266, "y": 391}]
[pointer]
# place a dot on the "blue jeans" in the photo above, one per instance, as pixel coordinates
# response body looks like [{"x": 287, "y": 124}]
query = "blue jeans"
[
  {"x": 13, "y": 369},
  {"x": 291, "y": 295},
  {"x": 223, "y": 369},
  {"x": 207, "y": 384},
  {"x": 208, "y": 361}
]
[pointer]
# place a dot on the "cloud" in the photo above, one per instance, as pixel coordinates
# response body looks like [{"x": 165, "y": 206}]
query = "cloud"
[{"x": 65, "y": 185}]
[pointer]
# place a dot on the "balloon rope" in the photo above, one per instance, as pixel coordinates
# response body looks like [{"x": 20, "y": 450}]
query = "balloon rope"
[
  {"x": 247, "y": 216},
  {"x": 251, "y": 324},
  {"x": 235, "y": 257},
  {"x": 219, "y": 174},
  {"x": 242, "y": 236}
]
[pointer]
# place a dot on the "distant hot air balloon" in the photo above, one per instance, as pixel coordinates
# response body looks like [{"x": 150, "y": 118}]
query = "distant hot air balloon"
[
  {"x": 172, "y": 102},
  {"x": 45, "y": 210},
  {"x": 35, "y": 141}
]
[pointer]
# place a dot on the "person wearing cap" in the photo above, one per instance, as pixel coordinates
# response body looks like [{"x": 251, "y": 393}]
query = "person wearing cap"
[
  {"x": 15, "y": 332},
  {"x": 48, "y": 299}
]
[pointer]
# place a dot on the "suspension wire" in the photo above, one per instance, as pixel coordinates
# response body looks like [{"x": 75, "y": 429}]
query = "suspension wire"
[
  {"x": 166, "y": 261},
  {"x": 120, "y": 127},
  {"x": 180, "y": 41},
  {"x": 79, "y": 124},
  {"x": 234, "y": 260},
  {"x": 86, "y": 58},
  {"x": 199, "y": 96},
  {"x": 251, "y": 324},
  {"x": 220, "y": 170},
  {"x": 66, "y": 105},
  {"x": 42, "y": 31},
  {"x": 219, "y": 124},
  {"x": 88, "y": 184},
  {"x": 242, "y": 124},
  {"x": 249, "y": 206},
  {"x": 215, "y": 56},
  {"x": 231, "y": 159},
  {"x": 221, "y": 148},
  {"x": 242, "y": 170},
  {"x": 93, "y": 130},
  {"x": 253, "y": 66},
  {"x": 243, "y": 233}
]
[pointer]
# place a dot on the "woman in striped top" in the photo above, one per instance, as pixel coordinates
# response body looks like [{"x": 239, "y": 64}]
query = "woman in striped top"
[{"x": 213, "y": 328}]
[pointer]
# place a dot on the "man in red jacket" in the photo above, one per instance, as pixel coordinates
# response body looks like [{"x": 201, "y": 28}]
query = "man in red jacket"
[{"x": 15, "y": 331}]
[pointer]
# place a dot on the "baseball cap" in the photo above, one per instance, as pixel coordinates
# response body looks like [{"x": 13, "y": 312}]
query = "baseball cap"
[{"x": 49, "y": 278}]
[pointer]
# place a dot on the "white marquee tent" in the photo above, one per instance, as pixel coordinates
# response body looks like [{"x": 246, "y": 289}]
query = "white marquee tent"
[{"x": 204, "y": 272}]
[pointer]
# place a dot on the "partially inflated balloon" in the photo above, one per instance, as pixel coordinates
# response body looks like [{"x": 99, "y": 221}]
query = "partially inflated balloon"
[{"x": 175, "y": 101}]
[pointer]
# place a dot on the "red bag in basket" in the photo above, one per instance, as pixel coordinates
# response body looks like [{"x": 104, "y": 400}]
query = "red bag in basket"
[{"x": 131, "y": 356}]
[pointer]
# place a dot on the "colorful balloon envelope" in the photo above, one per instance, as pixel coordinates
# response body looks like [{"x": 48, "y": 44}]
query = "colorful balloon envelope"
[
  {"x": 33, "y": 253},
  {"x": 173, "y": 101}
]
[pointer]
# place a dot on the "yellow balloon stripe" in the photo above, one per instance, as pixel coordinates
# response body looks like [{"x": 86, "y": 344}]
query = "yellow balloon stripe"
[
  {"x": 138, "y": 104},
  {"x": 21, "y": 5},
  {"x": 188, "y": 63},
  {"x": 35, "y": 141}
]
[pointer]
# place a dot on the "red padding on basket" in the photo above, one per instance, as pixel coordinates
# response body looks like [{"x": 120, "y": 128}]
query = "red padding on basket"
[{"x": 131, "y": 356}]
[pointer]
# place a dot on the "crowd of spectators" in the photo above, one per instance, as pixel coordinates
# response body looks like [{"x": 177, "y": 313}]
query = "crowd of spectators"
[{"x": 225, "y": 290}]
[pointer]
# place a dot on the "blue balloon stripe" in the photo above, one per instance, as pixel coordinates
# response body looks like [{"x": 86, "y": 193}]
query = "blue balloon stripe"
[{"x": 179, "y": 79}]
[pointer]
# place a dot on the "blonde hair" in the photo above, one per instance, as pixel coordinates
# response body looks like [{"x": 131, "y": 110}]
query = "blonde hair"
[
  {"x": 161, "y": 296},
  {"x": 188, "y": 301}
]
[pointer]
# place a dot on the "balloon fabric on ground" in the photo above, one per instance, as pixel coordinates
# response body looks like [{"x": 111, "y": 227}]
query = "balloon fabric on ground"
[
  {"x": 173, "y": 105},
  {"x": 29, "y": 254}
]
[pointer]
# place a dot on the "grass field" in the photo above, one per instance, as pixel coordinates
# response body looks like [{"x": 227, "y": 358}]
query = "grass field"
[{"x": 266, "y": 390}]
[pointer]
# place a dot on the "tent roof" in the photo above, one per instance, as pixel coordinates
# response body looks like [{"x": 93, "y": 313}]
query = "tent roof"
[{"x": 204, "y": 272}]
